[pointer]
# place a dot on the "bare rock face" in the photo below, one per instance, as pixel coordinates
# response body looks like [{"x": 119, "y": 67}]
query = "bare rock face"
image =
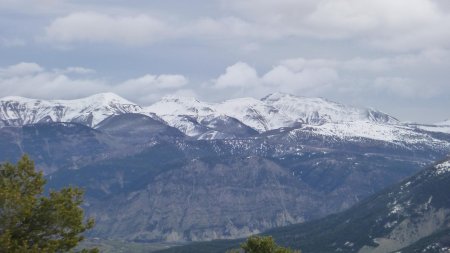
[
  {"x": 411, "y": 216},
  {"x": 204, "y": 201}
]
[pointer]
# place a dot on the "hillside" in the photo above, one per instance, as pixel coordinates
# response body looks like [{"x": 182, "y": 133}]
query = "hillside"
[
  {"x": 147, "y": 180},
  {"x": 412, "y": 216}
]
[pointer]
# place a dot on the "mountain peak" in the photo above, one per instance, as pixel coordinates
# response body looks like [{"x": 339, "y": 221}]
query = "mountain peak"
[
  {"x": 16, "y": 98},
  {"x": 106, "y": 97},
  {"x": 90, "y": 111}
]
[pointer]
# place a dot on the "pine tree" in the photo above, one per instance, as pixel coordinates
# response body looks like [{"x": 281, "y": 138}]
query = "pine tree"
[
  {"x": 264, "y": 244},
  {"x": 33, "y": 222}
]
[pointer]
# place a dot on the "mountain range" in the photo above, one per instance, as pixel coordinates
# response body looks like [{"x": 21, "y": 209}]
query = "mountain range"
[
  {"x": 411, "y": 216},
  {"x": 243, "y": 116},
  {"x": 185, "y": 170}
]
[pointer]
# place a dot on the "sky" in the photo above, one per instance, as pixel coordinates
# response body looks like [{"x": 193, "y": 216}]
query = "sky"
[{"x": 390, "y": 55}]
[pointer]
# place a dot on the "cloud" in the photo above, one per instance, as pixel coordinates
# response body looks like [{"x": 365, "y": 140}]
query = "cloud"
[
  {"x": 238, "y": 75},
  {"x": 243, "y": 79},
  {"x": 418, "y": 75},
  {"x": 394, "y": 25},
  {"x": 98, "y": 27},
  {"x": 21, "y": 69},
  {"x": 401, "y": 25},
  {"x": 33, "y": 80}
]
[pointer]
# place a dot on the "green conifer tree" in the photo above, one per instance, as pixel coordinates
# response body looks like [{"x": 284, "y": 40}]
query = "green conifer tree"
[
  {"x": 33, "y": 222},
  {"x": 262, "y": 244}
]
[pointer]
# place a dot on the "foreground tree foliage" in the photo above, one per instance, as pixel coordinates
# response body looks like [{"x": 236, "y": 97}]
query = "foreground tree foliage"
[
  {"x": 266, "y": 244},
  {"x": 32, "y": 222}
]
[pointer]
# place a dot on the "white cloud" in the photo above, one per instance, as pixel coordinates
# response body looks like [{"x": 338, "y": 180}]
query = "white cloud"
[
  {"x": 49, "y": 85},
  {"x": 21, "y": 69},
  {"x": 417, "y": 75},
  {"x": 242, "y": 79},
  {"x": 238, "y": 75},
  {"x": 98, "y": 27},
  {"x": 32, "y": 80}
]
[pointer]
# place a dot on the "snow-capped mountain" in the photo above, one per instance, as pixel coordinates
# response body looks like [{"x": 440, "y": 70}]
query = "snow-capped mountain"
[
  {"x": 272, "y": 112},
  {"x": 183, "y": 113},
  {"x": 356, "y": 131},
  {"x": 444, "y": 123},
  {"x": 241, "y": 117},
  {"x": 440, "y": 127},
  {"x": 316, "y": 111},
  {"x": 255, "y": 113},
  {"x": 18, "y": 111}
]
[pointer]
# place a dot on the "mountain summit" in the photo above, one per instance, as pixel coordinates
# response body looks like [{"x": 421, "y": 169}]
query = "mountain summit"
[
  {"x": 274, "y": 111},
  {"x": 19, "y": 111}
]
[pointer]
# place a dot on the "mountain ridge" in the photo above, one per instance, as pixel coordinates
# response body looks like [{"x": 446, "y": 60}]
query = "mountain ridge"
[
  {"x": 274, "y": 111},
  {"x": 19, "y": 111},
  {"x": 411, "y": 216},
  {"x": 127, "y": 154}
]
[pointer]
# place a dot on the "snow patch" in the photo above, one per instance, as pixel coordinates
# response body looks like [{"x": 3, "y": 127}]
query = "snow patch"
[{"x": 443, "y": 168}]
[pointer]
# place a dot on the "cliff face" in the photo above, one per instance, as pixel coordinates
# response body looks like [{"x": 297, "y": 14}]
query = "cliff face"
[
  {"x": 412, "y": 216},
  {"x": 204, "y": 201}
]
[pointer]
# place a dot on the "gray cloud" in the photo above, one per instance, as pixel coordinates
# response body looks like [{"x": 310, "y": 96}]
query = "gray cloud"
[
  {"x": 395, "y": 25},
  {"x": 400, "y": 25},
  {"x": 98, "y": 27}
]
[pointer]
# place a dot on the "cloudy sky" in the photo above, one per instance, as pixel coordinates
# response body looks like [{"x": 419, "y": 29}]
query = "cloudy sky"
[{"x": 390, "y": 55}]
